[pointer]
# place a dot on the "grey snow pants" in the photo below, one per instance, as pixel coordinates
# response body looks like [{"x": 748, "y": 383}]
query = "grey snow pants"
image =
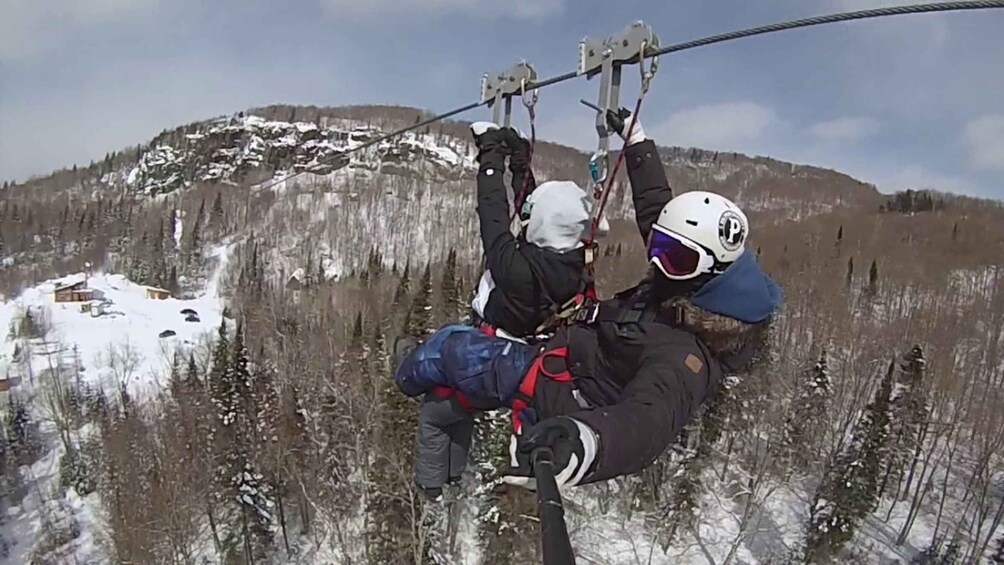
[{"x": 444, "y": 440}]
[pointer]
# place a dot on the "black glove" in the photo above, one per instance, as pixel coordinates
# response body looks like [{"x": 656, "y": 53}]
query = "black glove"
[
  {"x": 574, "y": 445},
  {"x": 620, "y": 122},
  {"x": 489, "y": 139},
  {"x": 519, "y": 149},
  {"x": 615, "y": 120}
]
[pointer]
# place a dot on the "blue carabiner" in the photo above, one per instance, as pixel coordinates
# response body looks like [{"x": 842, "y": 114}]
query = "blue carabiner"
[{"x": 594, "y": 169}]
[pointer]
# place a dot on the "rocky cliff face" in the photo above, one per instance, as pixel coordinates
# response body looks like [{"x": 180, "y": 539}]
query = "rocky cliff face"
[{"x": 410, "y": 198}]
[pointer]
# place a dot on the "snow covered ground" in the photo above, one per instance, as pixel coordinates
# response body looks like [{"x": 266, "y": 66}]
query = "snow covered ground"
[{"x": 117, "y": 343}]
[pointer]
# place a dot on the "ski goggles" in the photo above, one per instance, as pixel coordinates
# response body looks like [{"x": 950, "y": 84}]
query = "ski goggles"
[{"x": 676, "y": 256}]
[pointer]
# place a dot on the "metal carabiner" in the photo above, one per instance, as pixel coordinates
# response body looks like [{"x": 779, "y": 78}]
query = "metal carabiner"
[
  {"x": 646, "y": 76},
  {"x": 534, "y": 96},
  {"x": 599, "y": 166}
]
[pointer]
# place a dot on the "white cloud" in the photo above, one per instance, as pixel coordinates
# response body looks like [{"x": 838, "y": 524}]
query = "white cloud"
[
  {"x": 984, "y": 137},
  {"x": 28, "y": 27},
  {"x": 731, "y": 126},
  {"x": 367, "y": 9},
  {"x": 846, "y": 129},
  {"x": 125, "y": 106}
]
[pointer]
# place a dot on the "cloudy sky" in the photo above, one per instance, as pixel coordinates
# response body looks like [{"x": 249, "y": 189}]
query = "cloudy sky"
[{"x": 912, "y": 101}]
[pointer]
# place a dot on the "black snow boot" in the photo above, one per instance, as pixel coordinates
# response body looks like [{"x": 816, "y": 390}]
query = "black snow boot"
[{"x": 432, "y": 494}]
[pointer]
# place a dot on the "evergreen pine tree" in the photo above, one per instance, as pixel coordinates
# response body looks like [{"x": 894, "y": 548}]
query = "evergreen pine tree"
[
  {"x": 234, "y": 401},
  {"x": 807, "y": 416},
  {"x": 840, "y": 234},
  {"x": 403, "y": 286},
  {"x": 74, "y": 472},
  {"x": 504, "y": 536},
  {"x": 19, "y": 432},
  {"x": 172, "y": 222},
  {"x": 195, "y": 230},
  {"x": 955, "y": 231},
  {"x": 394, "y": 526},
  {"x": 449, "y": 289},
  {"x": 221, "y": 393},
  {"x": 850, "y": 272},
  {"x": 849, "y": 490},
  {"x": 419, "y": 320},
  {"x": 216, "y": 216},
  {"x": 873, "y": 279},
  {"x": 910, "y": 415}
]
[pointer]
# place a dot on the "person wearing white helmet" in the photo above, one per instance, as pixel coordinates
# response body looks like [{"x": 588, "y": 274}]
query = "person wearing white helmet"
[
  {"x": 530, "y": 275},
  {"x": 609, "y": 392},
  {"x": 634, "y": 368}
]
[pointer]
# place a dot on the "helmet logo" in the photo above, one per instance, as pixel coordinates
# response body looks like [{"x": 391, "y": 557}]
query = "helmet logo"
[{"x": 731, "y": 230}]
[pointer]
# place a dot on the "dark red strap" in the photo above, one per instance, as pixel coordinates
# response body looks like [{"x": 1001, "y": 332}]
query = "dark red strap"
[
  {"x": 525, "y": 395},
  {"x": 446, "y": 392}
]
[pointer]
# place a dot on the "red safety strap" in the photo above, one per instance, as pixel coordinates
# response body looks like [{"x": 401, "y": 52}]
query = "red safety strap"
[
  {"x": 446, "y": 392},
  {"x": 595, "y": 224},
  {"x": 525, "y": 394},
  {"x": 520, "y": 198},
  {"x": 613, "y": 175}
]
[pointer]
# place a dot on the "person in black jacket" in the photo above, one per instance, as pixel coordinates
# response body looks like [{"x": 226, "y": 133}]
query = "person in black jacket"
[
  {"x": 611, "y": 391},
  {"x": 530, "y": 276},
  {"x": 640, "y": 364},
  {"x": 533, "y": 272}
]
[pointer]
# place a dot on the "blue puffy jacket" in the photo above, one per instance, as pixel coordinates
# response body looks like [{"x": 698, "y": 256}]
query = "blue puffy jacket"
[{"x": 486, "y": 369}]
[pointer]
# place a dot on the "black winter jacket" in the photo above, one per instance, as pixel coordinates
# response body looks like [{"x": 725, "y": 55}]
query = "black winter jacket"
[
  {"x": 644, "y": 379},
  {"x": 529, "y": 280}
]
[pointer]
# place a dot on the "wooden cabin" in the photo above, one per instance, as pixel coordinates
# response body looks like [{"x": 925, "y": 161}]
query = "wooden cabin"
[
  {"x": 74, "y": 292},
  {"x": 155, "y": 293}
]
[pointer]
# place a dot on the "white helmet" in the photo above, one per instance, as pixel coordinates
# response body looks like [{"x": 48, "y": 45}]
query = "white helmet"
[{"x": 714, "y": 223}]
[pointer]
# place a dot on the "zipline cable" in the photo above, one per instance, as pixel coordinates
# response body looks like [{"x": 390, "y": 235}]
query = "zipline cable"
[
  {"x": 834, "y": 18},
  {"x": 739, "y": 34}
]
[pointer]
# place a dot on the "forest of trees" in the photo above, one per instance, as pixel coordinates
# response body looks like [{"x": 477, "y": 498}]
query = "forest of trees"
[{"x": 878, "y": 405}]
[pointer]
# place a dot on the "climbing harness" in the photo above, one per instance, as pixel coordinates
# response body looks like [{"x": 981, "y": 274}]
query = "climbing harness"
[{"x": 524, "y": 396}]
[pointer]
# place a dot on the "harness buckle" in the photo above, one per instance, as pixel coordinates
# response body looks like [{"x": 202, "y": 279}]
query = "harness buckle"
[{"x": 587, "y": 313}]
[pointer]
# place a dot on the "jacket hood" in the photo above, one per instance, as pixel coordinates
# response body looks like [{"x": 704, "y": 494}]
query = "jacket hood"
[
  {"x": 743, "y": 292},
  {"x": 560, "y": 216}
]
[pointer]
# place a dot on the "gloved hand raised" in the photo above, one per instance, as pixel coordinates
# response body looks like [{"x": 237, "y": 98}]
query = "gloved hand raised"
[
  {"x": 519, "y": 149},
  {"x": 574, "y": 445},
  {"x": 489, "y": 138},
  {"x": 620, "y": 122}
]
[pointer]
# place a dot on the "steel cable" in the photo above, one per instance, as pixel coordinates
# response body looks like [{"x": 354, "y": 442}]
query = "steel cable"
[{"x": 739, "y": 34}]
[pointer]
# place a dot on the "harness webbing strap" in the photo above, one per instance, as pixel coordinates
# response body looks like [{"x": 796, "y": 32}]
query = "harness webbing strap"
[{"x": 524, "y": 396}]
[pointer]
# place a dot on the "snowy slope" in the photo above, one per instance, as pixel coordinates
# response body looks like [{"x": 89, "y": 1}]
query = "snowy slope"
[{"x": 119, "y": 346}]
